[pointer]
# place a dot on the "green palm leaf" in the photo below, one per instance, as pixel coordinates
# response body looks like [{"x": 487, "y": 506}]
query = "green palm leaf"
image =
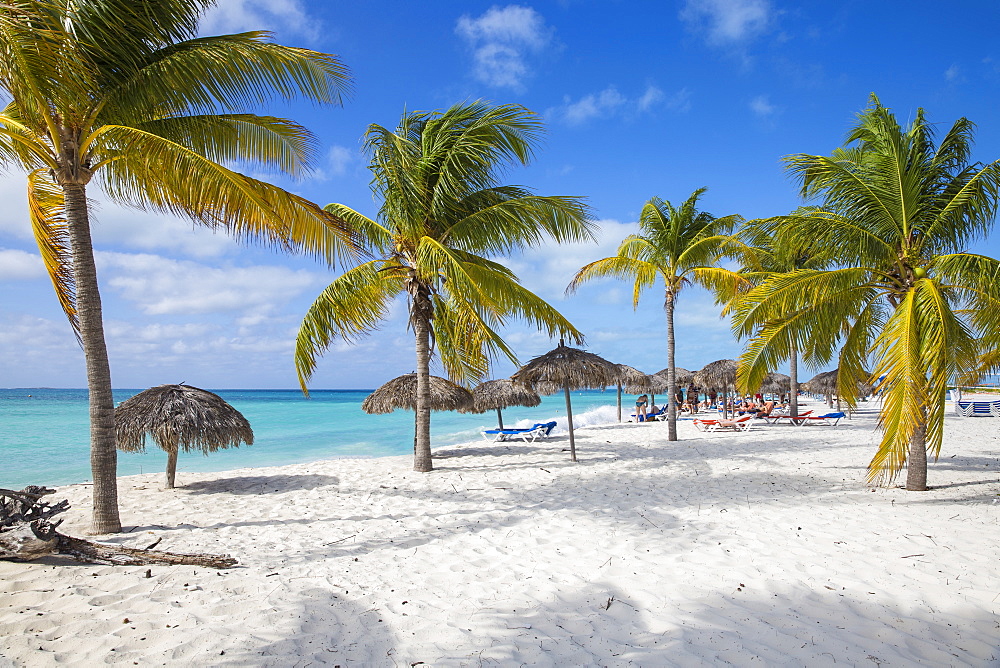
[
  {"x": 897, "y": 211},
  {"x": 443, "y": 212}
]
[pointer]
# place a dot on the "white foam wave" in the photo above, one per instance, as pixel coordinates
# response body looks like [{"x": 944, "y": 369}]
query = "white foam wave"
[{"x": 595, "y": 416}]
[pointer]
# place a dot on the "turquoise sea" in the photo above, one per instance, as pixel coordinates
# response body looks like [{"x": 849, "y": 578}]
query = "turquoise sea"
[{"x": 44, "y": 433}]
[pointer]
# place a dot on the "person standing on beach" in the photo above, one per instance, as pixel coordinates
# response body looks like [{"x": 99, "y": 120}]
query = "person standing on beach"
[{"x": 640, "y": 408}]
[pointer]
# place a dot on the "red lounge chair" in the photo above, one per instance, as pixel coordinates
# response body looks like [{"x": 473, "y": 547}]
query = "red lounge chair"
[
  {"x": 774, "y": 419},
  {"x": 830, "y": 419},
  {"x": 739, "y": 424}
]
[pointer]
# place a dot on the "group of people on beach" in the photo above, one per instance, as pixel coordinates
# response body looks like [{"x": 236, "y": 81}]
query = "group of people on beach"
[{"x": 749, "y": 405}]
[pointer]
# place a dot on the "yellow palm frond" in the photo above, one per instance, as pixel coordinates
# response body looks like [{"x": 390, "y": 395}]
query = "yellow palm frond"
[
  {"x": 350, "y": 307},
  {"x": 48, "y": 223},
  {"x": 160, "y": 174}
]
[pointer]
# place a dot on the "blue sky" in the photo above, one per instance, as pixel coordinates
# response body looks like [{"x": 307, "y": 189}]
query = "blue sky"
[{"x": 640, "y": 100}]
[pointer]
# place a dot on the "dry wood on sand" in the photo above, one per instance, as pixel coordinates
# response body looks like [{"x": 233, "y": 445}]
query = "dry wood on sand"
[{"x": 26, "y": 533}]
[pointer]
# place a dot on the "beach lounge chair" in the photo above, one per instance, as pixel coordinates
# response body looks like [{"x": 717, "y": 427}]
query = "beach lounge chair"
[
  {"x": 765, "y": 412},
  {"x": 661, "y": 414},
  {"x": 739, "y": 424},
  {"x": 539, "y": 430},
  {"x": 542, "y": 430},
  {"x": 830, "y": 419},
  {"x": 777, "y": 417},
  {"x": 978, "y": 408}
]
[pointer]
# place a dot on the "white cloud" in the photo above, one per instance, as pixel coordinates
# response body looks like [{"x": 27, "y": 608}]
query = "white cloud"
[
  {"x": 679, "y": 101},
  {"x": 113, "y": 225},
  {"x": 762, "y": 106},
  {"x": 595, "y": 105},
  {"x": 18, "y": 265},
  {"x": 14, "y": 213},
  {"x": 547, "y": 270},
  {"x": 953, "y": 73},
  {"x": 728, "y": 21},
  {"x": 650, "y": 98},
  {"x": 31, "y": 342},
  {"x": 502, "y": 40},
  {"x": 283, "y": 16},
  {"x": 610, "y": 102},
  {"x": 159, "y": 285},
  {"x": 339, "y": 158}
]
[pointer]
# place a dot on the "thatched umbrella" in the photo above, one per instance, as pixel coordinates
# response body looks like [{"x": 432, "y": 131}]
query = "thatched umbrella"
[
  {"x": 776, "y": 383},
  {"x": 573, "y": 369},
  {"x": 627, "y": 376},
  {"x": 502, "y": 393},
  {"x": 824, "y": 383},
  {"x": 401, "y": 392},
  {"x": 681, "y": 375},
  {"x": 651, "y": 383},
  {"x": 718, "y": 375},
  {"x": 683, "y": 378},
  {"x": 179, "y": 417}
]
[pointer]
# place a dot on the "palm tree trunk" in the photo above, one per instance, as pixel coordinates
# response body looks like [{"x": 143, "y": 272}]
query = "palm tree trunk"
[
  {"x": 569, "y": 420},
  {"x": 793, "y": 375},
  {"x": 916, "y": 460},
  {"x": 422, "y": 446},
  {"x": 171, "y": 467},
  {"x": 103, "y": 454},
  {"x": 671, "y": 372}
]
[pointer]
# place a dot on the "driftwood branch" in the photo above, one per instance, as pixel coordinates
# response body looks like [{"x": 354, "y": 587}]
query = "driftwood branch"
[{"x": 26, "y": 534}]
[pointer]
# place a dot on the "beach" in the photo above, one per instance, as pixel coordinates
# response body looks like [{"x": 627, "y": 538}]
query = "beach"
[{"x": 760, "y": 547}]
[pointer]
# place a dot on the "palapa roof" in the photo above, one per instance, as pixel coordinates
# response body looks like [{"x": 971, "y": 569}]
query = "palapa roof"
[
  {"x": 649, "y": 383},
  {"x": 636, "y": 382},
  {"x": 825, "y": 382},
  {"x": 718, "y": 375},
  {"x": 180, "y": 417},
  {"x": 682, "y": 375},
  {"x": 776, "y": 383},
  {"x": 502, "y": 393},
  {"x": 629, "y": 375},
  {"x": 401, "y": 392},
  {"x": 568, "y": 367}
]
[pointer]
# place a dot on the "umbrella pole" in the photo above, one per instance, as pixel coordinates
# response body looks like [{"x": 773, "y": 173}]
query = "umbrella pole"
[
  {"x": 569, "y": 419},
  {"x": 619, "y": 402},
  {"x": 499, "y": 418},
  {"x": 171, "y": 466}
]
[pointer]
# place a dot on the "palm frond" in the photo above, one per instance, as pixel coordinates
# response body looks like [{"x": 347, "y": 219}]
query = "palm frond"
[
  {"x": 224, "y": 73},
  {"x": 46, "y": 208},
  {"x": 350, "y": 307},
  {"x": 162, "y": 175},
  {"x": 227, "y": 138}
]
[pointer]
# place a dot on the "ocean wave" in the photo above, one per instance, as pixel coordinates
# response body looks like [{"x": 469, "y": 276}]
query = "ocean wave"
[{"x": 590, "y": 418}]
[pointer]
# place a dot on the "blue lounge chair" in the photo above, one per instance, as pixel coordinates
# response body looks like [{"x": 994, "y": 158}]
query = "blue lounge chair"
[
  {"x": 539, "y": 430},
  {"x": 978, "y": 408},
  {"x": 650, "y": 417},
  {"x": 830, "y": 419}
]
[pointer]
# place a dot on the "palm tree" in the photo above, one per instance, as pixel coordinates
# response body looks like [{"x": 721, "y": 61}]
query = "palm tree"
[
  {"x": 679, "y": 245},
  {"x": 897, "y": 213},
  {"x": 443, "y": 213},
  {"x": 122, "y": 93},
  {"x": 764, "y": 252}
]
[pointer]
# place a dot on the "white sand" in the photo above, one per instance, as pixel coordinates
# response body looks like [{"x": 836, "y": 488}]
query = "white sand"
[{"x": 764, "y": 547}]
